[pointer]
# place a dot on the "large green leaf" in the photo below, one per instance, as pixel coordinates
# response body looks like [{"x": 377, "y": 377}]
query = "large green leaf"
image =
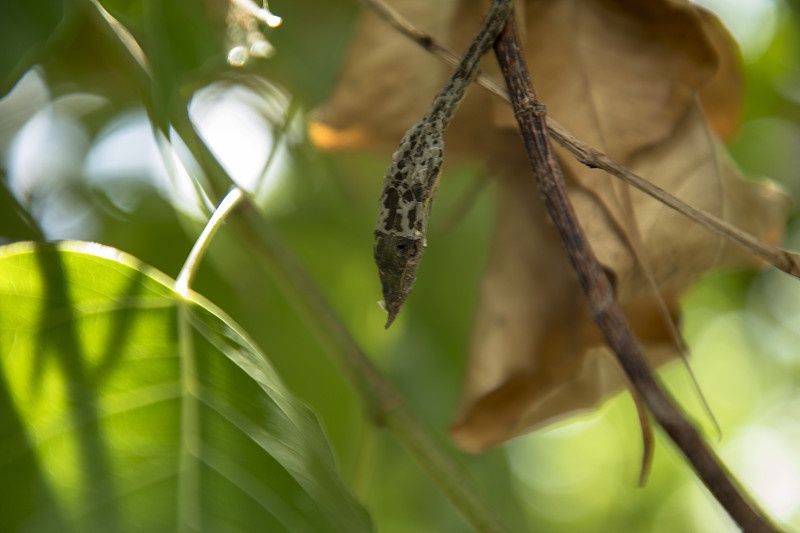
[{"x": 125, "y": 407}]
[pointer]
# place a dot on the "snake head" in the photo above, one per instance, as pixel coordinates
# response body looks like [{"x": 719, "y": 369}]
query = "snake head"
[{"x": 397, "y": 259}]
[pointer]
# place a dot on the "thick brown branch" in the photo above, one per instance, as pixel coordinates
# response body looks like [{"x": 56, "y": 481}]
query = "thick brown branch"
[{"x": 607, "y": 314}]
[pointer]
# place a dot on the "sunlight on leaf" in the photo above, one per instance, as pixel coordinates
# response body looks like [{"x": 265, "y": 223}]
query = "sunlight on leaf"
[
  {"x": 124, "y": 407},
  {"x": 125, "y": 37}
]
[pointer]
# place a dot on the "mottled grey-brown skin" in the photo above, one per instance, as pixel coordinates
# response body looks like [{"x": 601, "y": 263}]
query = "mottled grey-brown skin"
[
  {"x": 408, "y": 192},
  {"x": 413, "y": 176}
]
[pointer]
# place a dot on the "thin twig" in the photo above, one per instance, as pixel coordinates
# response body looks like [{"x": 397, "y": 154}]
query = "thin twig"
[
  {"x": 789, "y": 262},
  {"x": 606, "y": 312}
]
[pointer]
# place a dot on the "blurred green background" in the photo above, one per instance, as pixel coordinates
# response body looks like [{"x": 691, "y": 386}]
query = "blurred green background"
[{"x": 81, "y": 159}]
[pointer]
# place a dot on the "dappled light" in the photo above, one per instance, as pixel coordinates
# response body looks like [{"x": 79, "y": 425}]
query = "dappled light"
[
  {"x": 248, "y": 129},
  {"x": 260, "y": 392},
  {"x": 125, "y": 162},
  {"x": 44, "y": 163}
]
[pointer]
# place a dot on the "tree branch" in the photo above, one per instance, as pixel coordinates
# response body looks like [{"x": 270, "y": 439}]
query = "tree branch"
[
  {"x": 531, "y": 117},
  {"x": 789, "y": 262}
]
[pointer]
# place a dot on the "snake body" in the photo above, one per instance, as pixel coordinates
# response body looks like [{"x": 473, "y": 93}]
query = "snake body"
[{"x": 413, "y": 176}]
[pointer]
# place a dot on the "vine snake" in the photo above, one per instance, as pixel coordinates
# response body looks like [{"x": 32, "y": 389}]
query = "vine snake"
[{"x": 413, "y": 176}]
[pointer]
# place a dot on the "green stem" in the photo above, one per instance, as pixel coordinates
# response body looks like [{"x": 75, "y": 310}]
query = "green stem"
[
  {"x": 376, "y": 395},
  {"x": 225, "y": 207}
]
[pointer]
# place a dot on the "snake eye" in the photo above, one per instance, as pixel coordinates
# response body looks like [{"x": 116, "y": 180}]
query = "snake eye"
[{"x": 400, "y": 248}]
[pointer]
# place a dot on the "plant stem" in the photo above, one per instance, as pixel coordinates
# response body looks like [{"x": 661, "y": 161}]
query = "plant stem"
[
  {"x": 385, "y": 406},
  {"x": 606, "y": 312},
  {"x": 189, "y": 268}
]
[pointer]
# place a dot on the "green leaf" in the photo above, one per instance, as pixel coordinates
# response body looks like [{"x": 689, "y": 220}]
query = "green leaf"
[
  {"x": 26, "y": 26},
  {"x": 125, "y": 407},
  {"x": 16, "y": 224}
]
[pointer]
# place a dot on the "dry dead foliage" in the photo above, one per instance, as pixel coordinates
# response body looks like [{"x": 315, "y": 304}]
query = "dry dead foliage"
[{"x": 654, "y": 85}]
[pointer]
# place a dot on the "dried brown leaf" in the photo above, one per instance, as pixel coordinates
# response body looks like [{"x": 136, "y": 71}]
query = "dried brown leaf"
[
  {"x": 387, "y": 81},
  {"x": 644, "y": 82}
]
